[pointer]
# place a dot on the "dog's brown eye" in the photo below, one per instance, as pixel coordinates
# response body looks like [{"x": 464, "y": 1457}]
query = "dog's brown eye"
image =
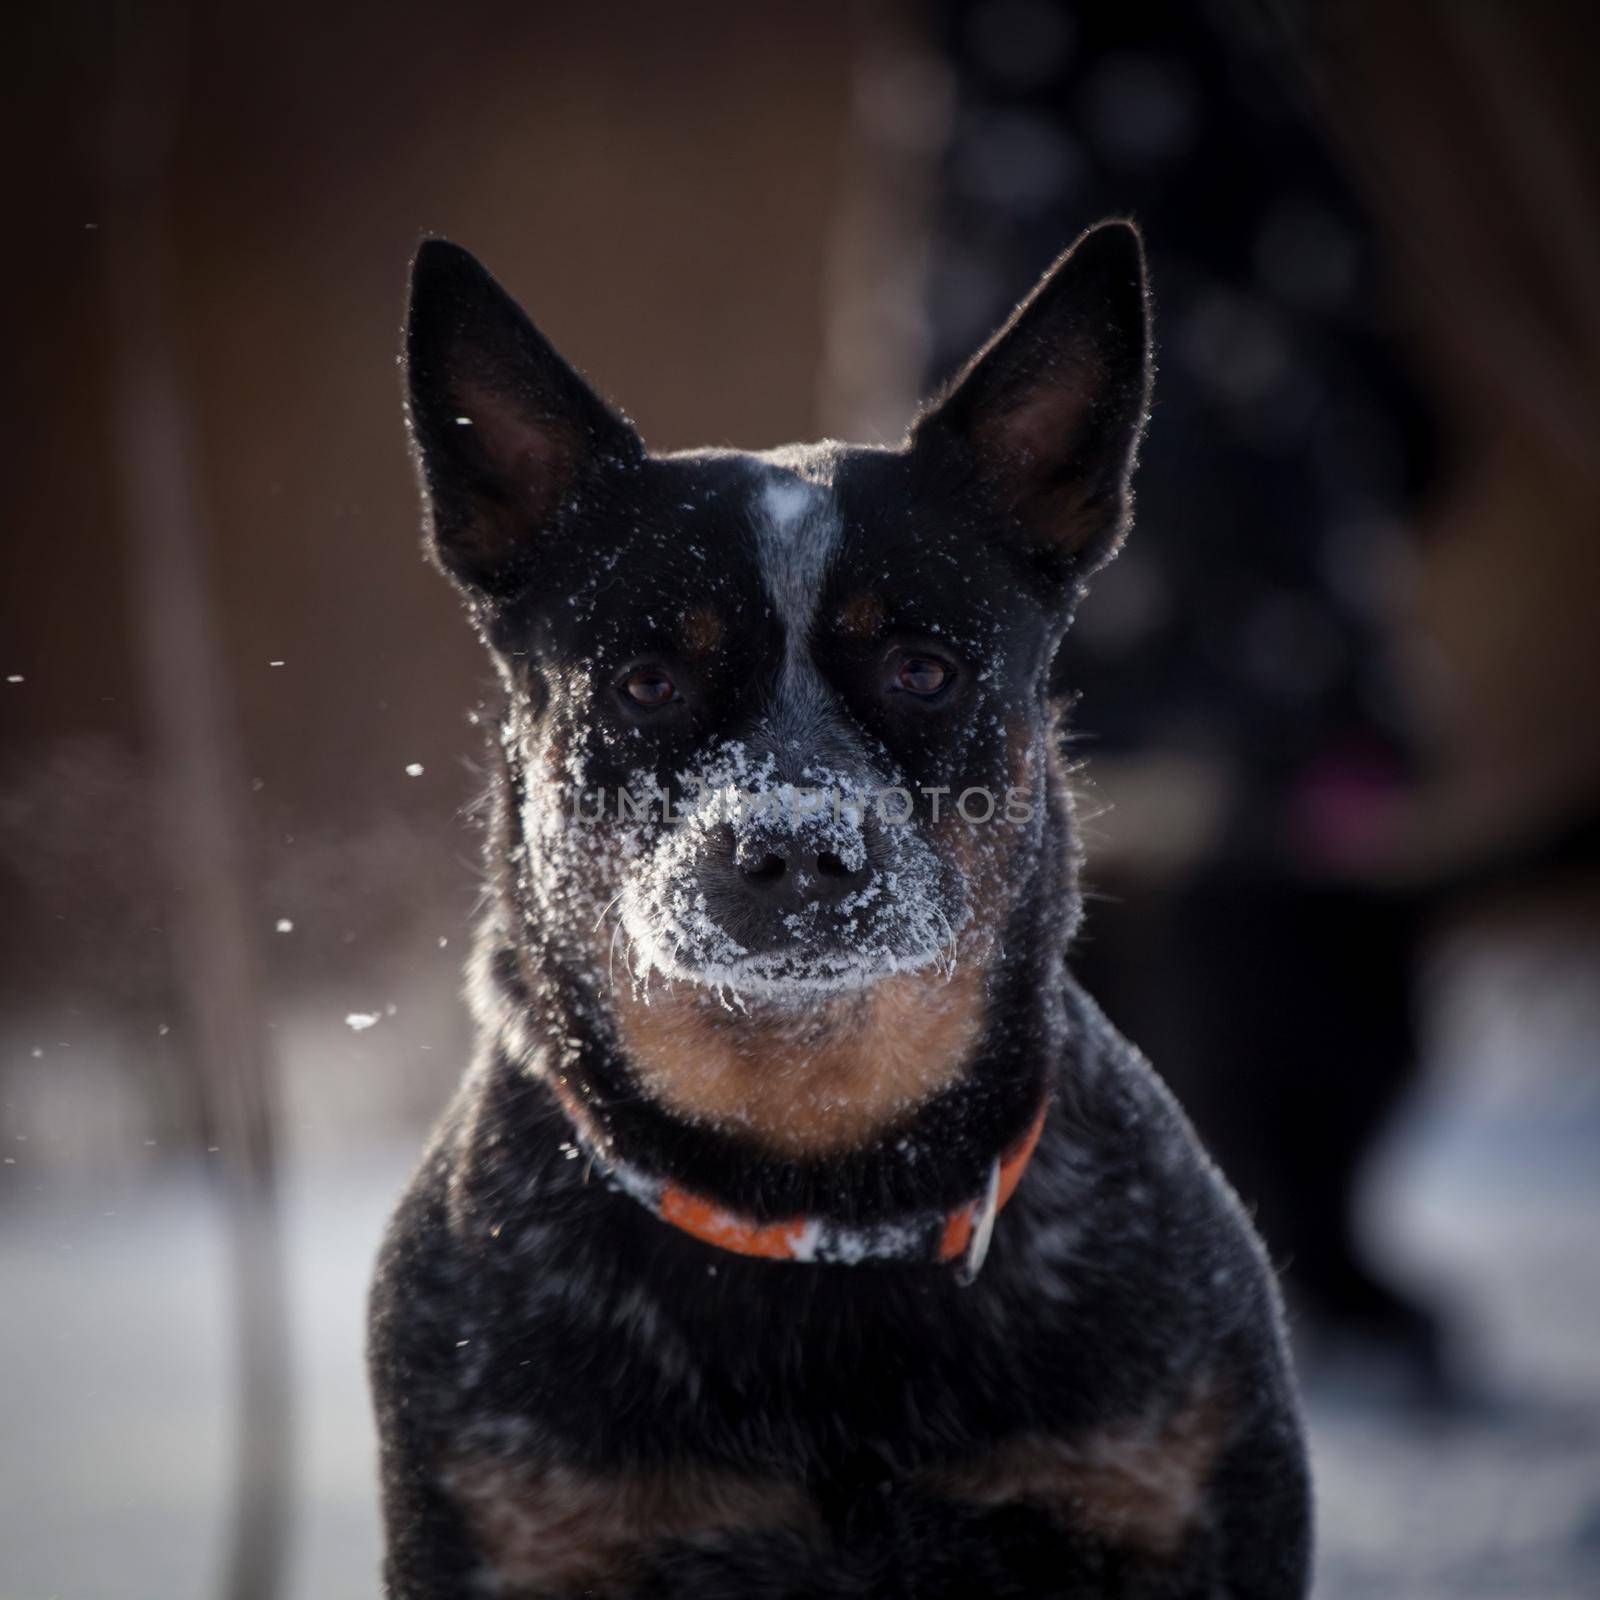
[
  {"x": 924, "y": 675},
  {"x": 650, "y": 687}
]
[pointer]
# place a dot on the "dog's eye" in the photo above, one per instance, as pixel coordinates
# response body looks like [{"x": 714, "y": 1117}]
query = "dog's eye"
[
  {"x": 923, "y": 675},
  {"x": 650, "y": 687}
]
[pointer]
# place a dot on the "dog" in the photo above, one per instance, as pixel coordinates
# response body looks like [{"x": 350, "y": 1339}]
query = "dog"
[{"x": 800, "y": 1228}]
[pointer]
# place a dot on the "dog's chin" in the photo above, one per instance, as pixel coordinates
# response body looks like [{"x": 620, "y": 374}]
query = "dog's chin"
[{"x": 799, "y": 978}]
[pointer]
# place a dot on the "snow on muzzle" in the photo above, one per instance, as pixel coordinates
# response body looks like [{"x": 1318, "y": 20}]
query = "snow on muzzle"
[{"x": 770, "y": 887}]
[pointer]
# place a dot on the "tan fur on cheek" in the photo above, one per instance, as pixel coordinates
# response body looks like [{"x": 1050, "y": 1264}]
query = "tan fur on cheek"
[
  {"x": 1022, "y": 751},
  {"x": 830, "y": 1081},
  {"x": 561, "y": 1530},
  {"x": 1141, "y": 1486},
  {"x": 992, "y": 857},
  {"x": 553, "y": 752}
]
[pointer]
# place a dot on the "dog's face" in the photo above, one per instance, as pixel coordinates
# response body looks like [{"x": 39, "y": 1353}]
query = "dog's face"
[{"x": 781, "y": 721}]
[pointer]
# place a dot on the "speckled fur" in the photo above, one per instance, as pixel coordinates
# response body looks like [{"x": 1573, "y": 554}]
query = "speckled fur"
[{"x": 577, "y": 1399}]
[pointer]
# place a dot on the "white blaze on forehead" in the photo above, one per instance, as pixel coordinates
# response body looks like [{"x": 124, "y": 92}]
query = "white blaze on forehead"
[
  {"x": 787, "y": 501},
  {"x": 797, "y": 526}
]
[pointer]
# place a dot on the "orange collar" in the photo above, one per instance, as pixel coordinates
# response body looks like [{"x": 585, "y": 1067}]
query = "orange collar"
[{"x": 960, "y": 1235}]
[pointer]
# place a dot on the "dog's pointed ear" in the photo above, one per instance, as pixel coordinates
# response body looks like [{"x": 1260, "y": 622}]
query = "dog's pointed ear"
[
  {"x": 504, "y": 430},
  {"x": 1051, "y": 410}
]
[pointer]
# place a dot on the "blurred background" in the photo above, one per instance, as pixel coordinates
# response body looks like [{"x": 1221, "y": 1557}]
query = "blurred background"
[{"x": 1339, "y": 697}]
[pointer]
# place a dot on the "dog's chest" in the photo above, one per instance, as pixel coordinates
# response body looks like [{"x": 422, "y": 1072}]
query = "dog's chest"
[
  {"x": 654, "y": 1432},
  {"x": 1135, "y": 1493}
]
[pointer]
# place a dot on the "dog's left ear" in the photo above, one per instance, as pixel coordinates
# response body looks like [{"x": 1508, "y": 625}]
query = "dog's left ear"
[
  {"x": 1051, "y": 410},
  {"x": 506, "y": 432}
]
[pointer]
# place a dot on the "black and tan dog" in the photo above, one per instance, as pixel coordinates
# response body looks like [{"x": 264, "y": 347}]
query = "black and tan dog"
[{"x": 778, "y": 1044}]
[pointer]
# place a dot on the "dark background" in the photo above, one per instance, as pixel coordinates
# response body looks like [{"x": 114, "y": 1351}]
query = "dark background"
[{"x": 743, "y": 223}]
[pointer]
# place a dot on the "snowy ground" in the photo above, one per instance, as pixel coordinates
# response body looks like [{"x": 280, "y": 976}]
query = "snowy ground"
[{"x": 113, "y": 1380}]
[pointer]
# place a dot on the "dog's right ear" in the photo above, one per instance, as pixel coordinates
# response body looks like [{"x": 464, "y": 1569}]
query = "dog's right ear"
[{"x": 504, "y": 430}]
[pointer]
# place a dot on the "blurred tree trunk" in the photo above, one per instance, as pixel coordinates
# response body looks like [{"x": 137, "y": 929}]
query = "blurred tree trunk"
[{"x": 197, "y": 817}]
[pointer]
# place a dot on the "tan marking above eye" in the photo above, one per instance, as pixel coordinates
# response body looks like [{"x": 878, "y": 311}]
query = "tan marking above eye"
[
  {"x": 862, "y": 615},
  {"x": 703, "y": 631}
]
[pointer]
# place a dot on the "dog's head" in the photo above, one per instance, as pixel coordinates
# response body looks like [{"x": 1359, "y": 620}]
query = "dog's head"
[{"x": 780, "y": 723}]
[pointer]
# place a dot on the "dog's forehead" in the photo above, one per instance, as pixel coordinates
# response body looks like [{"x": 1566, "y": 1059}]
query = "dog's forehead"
[
  {"x": 772, "y": 519},
  {"x": 806, "y": 509},
  {"x": 739, "y": 560},
  {"x": 794, "y": 513}
]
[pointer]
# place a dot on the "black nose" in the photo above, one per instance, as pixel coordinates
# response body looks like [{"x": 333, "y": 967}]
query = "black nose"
[{"x": 791, "y": 876}]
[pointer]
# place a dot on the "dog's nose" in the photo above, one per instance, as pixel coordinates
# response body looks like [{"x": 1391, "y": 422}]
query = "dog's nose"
[{"x": 792, "y": 876}]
